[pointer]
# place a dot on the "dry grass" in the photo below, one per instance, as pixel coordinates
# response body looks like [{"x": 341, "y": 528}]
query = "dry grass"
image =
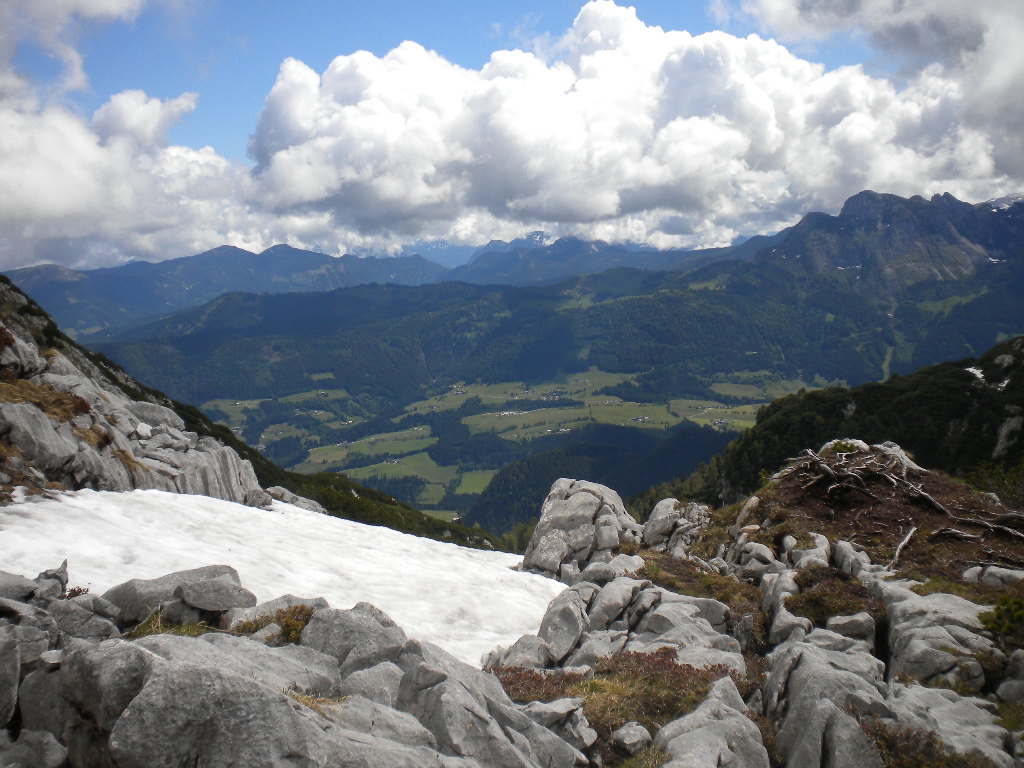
[
  {"x": 291, "y": 621},
  {"x": 155, "y": 625},
  {"x": 878, "y": 519},
  {"x": 648, "y": 758},
  {"x": 96, "y": 436},
  {"x": 316, "y": 703},
  {"x": 58, "y": 405},
  {"x": 129, "y": 461},
  {"x": 826, "y": 592},
  {"x": 901, "y": 747},
  {"x": 687, "y": 578},
  {"x": 650, "y": 688}
]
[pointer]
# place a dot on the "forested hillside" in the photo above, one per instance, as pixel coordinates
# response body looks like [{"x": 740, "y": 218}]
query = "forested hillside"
[{"x": 962, "y": 417}]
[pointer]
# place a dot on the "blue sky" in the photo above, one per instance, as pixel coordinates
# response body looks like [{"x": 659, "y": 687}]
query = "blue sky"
[
  {"x": 158, "y": 128},
  {"x": 231, "y": 59}
]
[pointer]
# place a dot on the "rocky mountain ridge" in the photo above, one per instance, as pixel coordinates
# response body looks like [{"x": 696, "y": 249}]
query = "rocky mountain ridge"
[
  {"x": 69, "y": 422},
  {"x": 880, "y": 244}
]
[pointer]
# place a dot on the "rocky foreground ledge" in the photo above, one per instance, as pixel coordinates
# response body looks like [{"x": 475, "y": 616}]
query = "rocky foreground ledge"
[
  {"x": 859, "y": 612},
  {"x": 91, "y": 681},
  {"x": 824, "y": 653}
]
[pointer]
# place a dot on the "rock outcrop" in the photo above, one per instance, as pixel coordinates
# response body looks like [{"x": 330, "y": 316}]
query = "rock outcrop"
[
  {"x": 581, "y": 529},
  {"x": 69, "y": 422},
  {"x": 354, "y": 690},
  {"x": 908, "y": 663}
]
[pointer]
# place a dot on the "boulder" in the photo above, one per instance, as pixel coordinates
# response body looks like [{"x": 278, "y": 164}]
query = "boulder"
[
  {"x": 632, "y": 738},
  {"x": 378, "y": 683},
  {"x": 358, "y": 638},
  {"x": 564, "y": 622},
  {"x": 137, "y": 598},
  {"x": 236, "y": 616},
  {"x": 15, "y": 587},
  {"x": 33, "y": 749},
  {"x": 580, "y": 523},
  {"x": 716, "y": 733},
  {"x": 565, "y": 718},
  {"x": 10, "y": 672},
  {"x": 372, "y": 718}
]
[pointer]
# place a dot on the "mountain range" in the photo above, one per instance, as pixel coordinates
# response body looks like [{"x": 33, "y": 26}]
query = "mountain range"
[
  {"x": 88, "y": 302},
  {"x": 887, "y": 286}
]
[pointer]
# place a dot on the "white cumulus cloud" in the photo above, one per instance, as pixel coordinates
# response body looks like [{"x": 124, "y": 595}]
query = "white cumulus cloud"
[
  {"x": 626, "y": 131},
  {"x": 617, "y": 130}
]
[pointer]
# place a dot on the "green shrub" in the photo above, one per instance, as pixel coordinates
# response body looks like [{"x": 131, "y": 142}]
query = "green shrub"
[
  {"x": 901, "y": 747},
  {"x": 649, "y": 688},
  {"x": 1007, "y": 620}
]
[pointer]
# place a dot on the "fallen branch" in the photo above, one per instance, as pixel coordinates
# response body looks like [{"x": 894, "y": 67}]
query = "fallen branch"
[
  {"x": 902, "y": 544},
  {"x": 953, "y": 533}
]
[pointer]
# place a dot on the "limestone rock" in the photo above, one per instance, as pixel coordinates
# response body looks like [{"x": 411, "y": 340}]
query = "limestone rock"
[
  {"x": 33, "y": 749},
  {"x": 137, "y": 598},
  {"x": 716, "y": 733},
  {"x": 580, "y": 523},
  {"x": 632, "y": 738},
  {"x": 358, "y": 638}
]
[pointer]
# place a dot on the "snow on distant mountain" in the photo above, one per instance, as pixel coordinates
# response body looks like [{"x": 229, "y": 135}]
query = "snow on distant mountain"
[
  {"x": 466, "y": 601},
  {"x": 1002, "y": 203}
]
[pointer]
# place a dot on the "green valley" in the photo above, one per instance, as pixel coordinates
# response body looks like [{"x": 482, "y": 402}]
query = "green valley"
[
  {"x": 397, "y": 456},
  {"x": 431, "y": 392}
]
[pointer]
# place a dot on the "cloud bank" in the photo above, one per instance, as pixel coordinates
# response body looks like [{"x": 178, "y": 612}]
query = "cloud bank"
[{"x": 618, "y": 131}]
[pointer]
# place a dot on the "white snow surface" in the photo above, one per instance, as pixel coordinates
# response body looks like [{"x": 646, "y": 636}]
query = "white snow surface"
[{"x": 467, "y": 601}]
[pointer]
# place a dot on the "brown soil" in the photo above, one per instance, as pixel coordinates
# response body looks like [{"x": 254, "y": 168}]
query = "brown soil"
[{"x": 880, "y": 516}]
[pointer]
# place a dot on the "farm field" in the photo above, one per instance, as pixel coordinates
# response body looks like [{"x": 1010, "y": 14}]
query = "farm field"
[{"x": 399, "y": 459}]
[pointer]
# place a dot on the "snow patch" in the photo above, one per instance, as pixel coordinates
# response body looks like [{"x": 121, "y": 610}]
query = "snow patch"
[{"x": 467, "y": 601}]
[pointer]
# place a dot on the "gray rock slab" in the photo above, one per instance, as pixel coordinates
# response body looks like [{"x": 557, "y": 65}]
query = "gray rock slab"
[
  {"x": 380, "y": 721},
  {"x": 596, "y": 646},
  {"x": 247, "y": 658},
  {"x": 528, "y": 651},
  {"x": 860, "y": 625},
  {"x": 207, "y": 716},
  {"x": 75, "y": 620},
  {"x": 40, "y": 702},
  {"x": 138, "y": 597},
  {"x": 714, "y": 734},
  {"x": 825, "y": 735},
  {"x": 236, "y": 616},
  {"x": 100, "y": 681},
  {"x": 632, "y": 738},
  {"x": 965, "y": 723},
  {"x": 358, "y": 638},
  {"x": 16, "y": 587},
  {"x": 220, "y": 593},
  {"x": 10, "y": 672},
  {"x": 34, "y": 749},
  {"x": 378, "y": 683},
  {"x": 564, "y": 622},
  {"x": 612, "y": 601}
]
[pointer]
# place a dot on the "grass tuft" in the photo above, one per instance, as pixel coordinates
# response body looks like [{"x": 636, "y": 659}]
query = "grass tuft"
[
  {"x": 155, "y": 625},
  {"x": 291, "y": 621},
  {"x": 901, "y": 747},
  {"x": 826, "y": 591},
  {"x": 650, "y": 688}
]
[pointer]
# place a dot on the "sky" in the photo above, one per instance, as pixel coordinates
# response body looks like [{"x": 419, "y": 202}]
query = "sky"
[
  {"x": 154, "y": 129},
  {"x": 467, "y": 601}
]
